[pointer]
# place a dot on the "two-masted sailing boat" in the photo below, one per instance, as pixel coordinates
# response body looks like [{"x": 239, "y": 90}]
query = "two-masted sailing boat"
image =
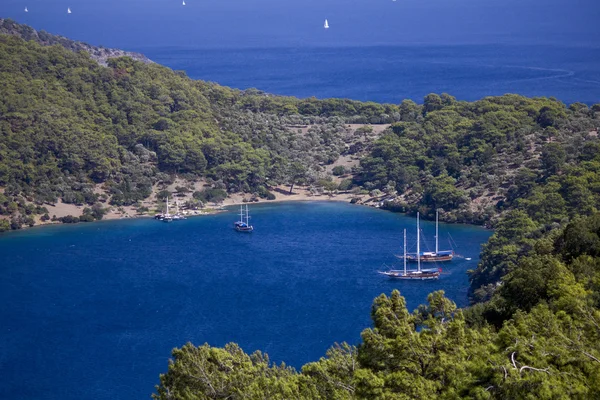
[
  {"x": 166, "y": 216},
  {"x": 433, "y": 256},
  {"x": 241, "y": 225},
  {"x": 418, "y": 274}
]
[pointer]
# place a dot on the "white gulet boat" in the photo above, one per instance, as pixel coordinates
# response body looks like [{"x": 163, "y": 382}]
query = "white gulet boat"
[
  {"x": 418, "y": 274},
  {"x": 241, "y": 225},
  {"x": 432, "y": 256}
]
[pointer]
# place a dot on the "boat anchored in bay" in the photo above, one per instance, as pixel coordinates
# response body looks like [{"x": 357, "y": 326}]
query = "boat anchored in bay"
[
  {"x": 166, "y": 217},
  {"x": 241, "y": 225},
  {"x": 431, "y": 256},
  {"x": 418, "y": 274}
]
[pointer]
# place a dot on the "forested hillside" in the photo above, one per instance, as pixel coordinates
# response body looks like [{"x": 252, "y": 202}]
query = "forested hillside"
[
  {"x": 100, "y": 54},
  {"x": 75, "y": 131},
  {"x": 80, "y": 132},
  {"x": 474, "y": 161}
]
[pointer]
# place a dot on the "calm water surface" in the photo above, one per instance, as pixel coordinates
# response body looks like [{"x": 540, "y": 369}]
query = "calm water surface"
[
  {"x": 393, "y": 73},
  {"x": 93, "y": 311}
]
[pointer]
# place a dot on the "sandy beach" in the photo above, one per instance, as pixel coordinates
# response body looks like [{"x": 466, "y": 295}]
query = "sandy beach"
[{"x": 282, "y": 193}]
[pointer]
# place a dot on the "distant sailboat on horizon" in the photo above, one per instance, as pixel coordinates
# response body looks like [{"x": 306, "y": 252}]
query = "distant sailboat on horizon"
[
  {"x": 326, "y": 26},
  {"x": 183, "y": 2},
  {"x": 68, "y": 10},
  {"x": 26, "y": 10}
]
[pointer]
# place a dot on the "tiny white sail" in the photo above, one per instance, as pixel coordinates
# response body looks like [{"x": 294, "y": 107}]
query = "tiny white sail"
[
  {"x": 326, "y": 26},
  {"x": 26, "y": 10},
  {"x": 68, "y": 10},
  {"x": 184, "y": 2}
]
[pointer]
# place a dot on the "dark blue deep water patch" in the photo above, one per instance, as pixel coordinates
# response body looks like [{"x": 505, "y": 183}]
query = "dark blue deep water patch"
[
  {"x": 93, "y": 311},
  {"x": 393, "y": 73}
]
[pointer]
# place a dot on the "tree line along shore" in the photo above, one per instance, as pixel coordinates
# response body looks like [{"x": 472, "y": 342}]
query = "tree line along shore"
[{"x": 125, "y": 135}]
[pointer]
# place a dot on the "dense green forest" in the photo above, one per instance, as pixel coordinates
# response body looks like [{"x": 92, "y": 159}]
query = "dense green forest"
[
  {"x": 477, "y": 160},
  {"x": 98, "y": 53},
  {"x": 75, "y": 131}
]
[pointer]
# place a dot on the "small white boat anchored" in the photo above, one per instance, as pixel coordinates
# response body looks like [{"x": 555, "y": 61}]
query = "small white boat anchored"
[
  {"x": 26, "y": 10},
  {"x": 68, "y": 10},
  {"x": 166, "y": 217},
  {"x": 326, "y": 26},
  {"x": 183, "y": 3},
  {"x": 179, "y": 216}
]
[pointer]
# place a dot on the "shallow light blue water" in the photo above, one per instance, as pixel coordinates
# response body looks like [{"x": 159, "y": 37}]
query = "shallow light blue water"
[{"x": 93, "y": 311}]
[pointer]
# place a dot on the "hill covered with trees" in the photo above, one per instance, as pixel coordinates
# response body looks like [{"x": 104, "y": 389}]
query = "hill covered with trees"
[
  {"x": 83, "y": 133},
  {"x": 78, "y": 132},
  {"x": 100, "y": 54},
  {"x": 474, "y": 161}
]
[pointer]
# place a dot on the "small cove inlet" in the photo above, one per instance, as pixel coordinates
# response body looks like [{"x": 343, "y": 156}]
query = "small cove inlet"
[{"x": 94, "y": 310}]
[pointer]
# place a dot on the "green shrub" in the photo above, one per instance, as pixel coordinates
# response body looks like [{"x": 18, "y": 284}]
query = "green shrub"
[
  {"x": 86, "y": 218},
  {"x": 69, "y": 219},
  {"x": 210, "y": 195},
  {"x": 339, "y": 170}
]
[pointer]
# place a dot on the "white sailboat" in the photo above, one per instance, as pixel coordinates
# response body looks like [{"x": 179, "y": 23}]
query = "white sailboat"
[
  {"x": 326, "y": 26},
  {"x": 419, "y": 274},
  {"x": 166, "y": 216},
  {"x": 68, "y": 10},
  {"x": 26, "y": 10},
  {"x": 241, "y": 225},
  {"x": 183, "y": 2},
  {"x": 432, "y": 256},
  {"x": 178, "y": 216}
]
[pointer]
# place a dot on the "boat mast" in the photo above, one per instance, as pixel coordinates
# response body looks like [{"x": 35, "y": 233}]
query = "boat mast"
[
  {"x": 418, "y": 244},
  {"x": 404, "y": 251},
  {"x": 436, "y": 232},
  {"x": 167, "y": 205},
  {"x": 241, "y": 213},
  {"x": 247, "y": 218}
]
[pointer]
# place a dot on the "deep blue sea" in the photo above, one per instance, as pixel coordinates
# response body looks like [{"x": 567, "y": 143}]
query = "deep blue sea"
[
  {"x": 393, "y": 73},
  {"x": 93, "y": 311},
  {"x": 376, "y": 50}
]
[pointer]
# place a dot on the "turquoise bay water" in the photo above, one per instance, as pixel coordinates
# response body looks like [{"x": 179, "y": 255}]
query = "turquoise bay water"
[{"x": 93, "y": 311}]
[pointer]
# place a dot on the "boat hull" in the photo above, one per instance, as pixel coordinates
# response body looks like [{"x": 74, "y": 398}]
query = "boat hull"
[
  {"x": 412, "y": 276},
  {"x": 243, "y": 227},
  {"x": 426, "y": 259}
]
